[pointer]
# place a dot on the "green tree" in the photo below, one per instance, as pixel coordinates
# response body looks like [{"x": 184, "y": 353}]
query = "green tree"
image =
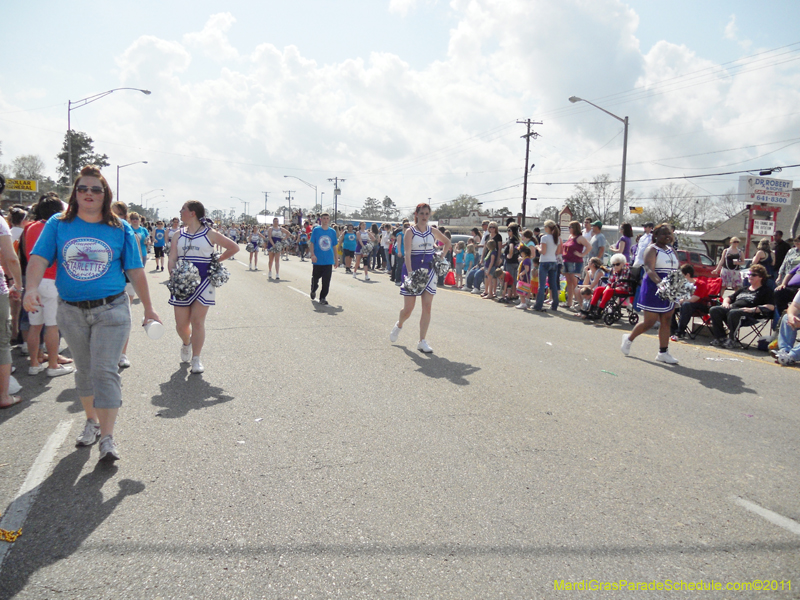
[
  {"x": 454, "y": 209},
  {"x": 390, "y": 211},
  {"x": 372, "y": 209},
  {"x": 82, "y": 154}
]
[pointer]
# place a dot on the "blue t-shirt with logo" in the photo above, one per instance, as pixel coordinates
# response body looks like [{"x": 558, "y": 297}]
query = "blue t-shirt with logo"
[
  {"x": 159, "y": 238},
  {"x": 324, "y": 241},
  {"x": 349, "y": 240},
  {"x": 90, "y": 257},
  {"x": 142, "y": 234}
]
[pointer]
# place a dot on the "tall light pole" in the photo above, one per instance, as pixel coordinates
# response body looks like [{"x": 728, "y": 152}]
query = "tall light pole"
[
  {"x": 289, "y": 198},
  {"x": 311, "y": 185},
  {"x": 321, "y": 199},
  {"x": 266, "y": 195},
  {"x": 575, "y": 99},
  {"x": 246, "y": 214},
  {"x": 336, "y": 193},
  {"x": 142, "y": 197},
  {"x": 138, "y": 162},
  {"x": 83, "y": 102}
]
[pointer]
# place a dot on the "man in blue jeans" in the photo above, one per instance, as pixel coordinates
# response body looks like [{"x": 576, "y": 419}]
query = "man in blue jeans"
[{"x": 788, "y": 352}]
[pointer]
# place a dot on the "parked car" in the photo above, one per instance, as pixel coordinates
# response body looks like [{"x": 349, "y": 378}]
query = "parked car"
[{"x": 702, "y": 263}]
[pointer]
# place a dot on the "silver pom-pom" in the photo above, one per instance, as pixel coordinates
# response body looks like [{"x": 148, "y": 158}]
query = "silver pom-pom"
[
  {"x": 183, "y": 280},
  {"x": 276, "y": 247},
  {"x": 250, "y": 247},
  {"x": 440, "y": 265},
  {"x": 416, "y": 282},
  {"x": 217, "y": 273},
  {"x": 366, "y": 249},
  {"x": 674, "y": 287}
]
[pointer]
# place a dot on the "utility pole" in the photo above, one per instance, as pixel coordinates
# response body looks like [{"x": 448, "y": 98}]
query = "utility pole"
[
  {"x": 266, "y": 194},
  {"x": 336, "y": 193},
  {"x": 289, "y": 198},
  {"x": 527, "y": 137}
]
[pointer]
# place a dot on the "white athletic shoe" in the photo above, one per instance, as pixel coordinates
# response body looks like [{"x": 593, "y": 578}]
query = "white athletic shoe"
[
  {"x": 13, "y": 385},
  {"x": 475, "y": 291},
  {"x": 355, "y": 275},
  {"x": 666, "y": 357},
  {"x": 626, "y": 344},
  {"x": 108, "y": 449},
  {"x": 395, "y": 333},
  {"x": 366, "y": 277},
  {"x": 36, "y": 370},
  {"x": 522, "y": 306},
  {"x": 124, "y": 363},
  {"x": 91, "y": 433},
  {"x": 186, "y": 353},
  {"x": 197, "y": 366},
  {"x": 423, "y": 345},
  {"x": 60, "y": 370}
]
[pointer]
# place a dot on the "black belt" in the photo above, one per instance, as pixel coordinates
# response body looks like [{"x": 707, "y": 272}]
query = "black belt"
[{"x": 94, "y": 303}]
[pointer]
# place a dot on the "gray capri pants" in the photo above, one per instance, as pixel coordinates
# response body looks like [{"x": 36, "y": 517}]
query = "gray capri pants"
[
  {"x": 5, "y": 331},
  {"x": 96, "y": 337}
]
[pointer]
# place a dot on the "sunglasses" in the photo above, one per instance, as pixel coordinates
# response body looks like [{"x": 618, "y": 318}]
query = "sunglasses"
[
  {"x": 754, "y": 275},
  {"x": 95, "y": 189}
]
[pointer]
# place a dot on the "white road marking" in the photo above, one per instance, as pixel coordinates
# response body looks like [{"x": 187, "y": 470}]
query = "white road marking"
[
  {"x": 773, "y": 517},
  {"x": 298, "y": 291},
  {"x": 241, "y": 263},
  {"x": 17, "y": 512}
]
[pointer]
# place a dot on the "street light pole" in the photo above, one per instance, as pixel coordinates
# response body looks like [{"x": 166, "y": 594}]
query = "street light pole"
[
  {"x": 336, "y": 193},
  {"x": 83, "y": 102},
  {"x": 575, "y": 99},
  {"x": 311, "y": 185},
  {"x": 144, "y": 162}
]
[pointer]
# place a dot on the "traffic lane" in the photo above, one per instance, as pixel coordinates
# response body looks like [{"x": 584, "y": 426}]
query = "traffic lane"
[{"x": 407, "y": 424}]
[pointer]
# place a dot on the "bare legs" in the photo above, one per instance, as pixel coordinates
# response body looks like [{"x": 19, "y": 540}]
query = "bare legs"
[
  {"x": 190, "y": 323},
  {"x": 647, "y": 323},
  {"x": 425, "y": 318}
]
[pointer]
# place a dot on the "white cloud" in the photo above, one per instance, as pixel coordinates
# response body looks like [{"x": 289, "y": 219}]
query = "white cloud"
[
  {"x": 402, "y": 7},
  {"x": 213, "y": 40},
  {"x": 732, "y": 33}
]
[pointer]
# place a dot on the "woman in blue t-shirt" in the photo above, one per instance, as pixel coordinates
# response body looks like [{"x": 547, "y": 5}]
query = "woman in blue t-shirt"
[{"x": 93, "y": 250}]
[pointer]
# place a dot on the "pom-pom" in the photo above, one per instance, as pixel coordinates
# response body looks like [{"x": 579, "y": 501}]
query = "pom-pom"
[
  {"x": 366, "y": 250},
  {"x": 674, "y": 287},
  {"x": 440, "y": 265},
  {"x": 416, "y": 282},
  {"x": 217, "y": 273},
  {"x": 183, "y": 280},
  {"x": 250, "y": 247},
  {"x": 276, "y": 247}
]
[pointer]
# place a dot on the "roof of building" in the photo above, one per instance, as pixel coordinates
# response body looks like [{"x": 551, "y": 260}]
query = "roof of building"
[{"x": 735, "y": 226}]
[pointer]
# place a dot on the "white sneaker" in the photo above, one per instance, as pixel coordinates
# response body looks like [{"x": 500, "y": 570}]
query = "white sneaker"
[
  {"x": 423, "y": 345},
  {"x": 522, "y": 306},
  {"x": 269, "y": 275},
  {"x": 366, "y": 277},
  {"x": 13, "y": 385},
  {"x": 250, "y": 267},
  {"x": 124, "y": 363},
  {"x": 626, "y": 344},
  {"x": 475, "y": 291},
  {"x": 666, "y": 357},
  {"x": 108, "y": 449},
  {"x": 186, "y": 353},
  {"x": 60, "y": 370},
  {"x": 355, "y": 275},
  {"x": 91, "y": 433},
  {"x": 395, "y": 333},
  {"x": 197, "y": 366},
  {"x": 24, "y": 349},
  {"x": 36, "y": 370}
]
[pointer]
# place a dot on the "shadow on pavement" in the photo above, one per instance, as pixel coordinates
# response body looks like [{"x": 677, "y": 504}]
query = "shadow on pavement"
[
  {"x": 66, "y": 512},
  {"x": 713, "y": 380},
  {"x": 330, "y": 309},
  {"x": 184, "y": 392},
  {"x": 437, "y": 367}
]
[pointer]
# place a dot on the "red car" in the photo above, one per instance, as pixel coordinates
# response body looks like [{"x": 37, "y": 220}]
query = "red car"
[{"x": 703, "y": 265}]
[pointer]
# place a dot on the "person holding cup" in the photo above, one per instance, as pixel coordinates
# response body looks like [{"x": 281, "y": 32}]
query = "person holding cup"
[{"x": 93, "y": 251}]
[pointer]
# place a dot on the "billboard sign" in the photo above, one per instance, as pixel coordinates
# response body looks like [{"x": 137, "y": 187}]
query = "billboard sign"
[
  {"x": 762, "y": 227},
  {"x": 765, "y": 190},
  {"x": 22, "y": 185}
]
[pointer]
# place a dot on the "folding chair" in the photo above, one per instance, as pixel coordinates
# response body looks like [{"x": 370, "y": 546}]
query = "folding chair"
[
  {"x": 714, "y": 298},
  {"x": 751, "y": 329}
]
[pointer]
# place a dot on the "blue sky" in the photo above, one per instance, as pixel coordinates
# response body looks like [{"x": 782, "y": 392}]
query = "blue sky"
[{"x": 414, "y": 99}]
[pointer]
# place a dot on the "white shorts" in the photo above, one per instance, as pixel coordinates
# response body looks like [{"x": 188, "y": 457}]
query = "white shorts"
[{"x": 46, "y": 315}]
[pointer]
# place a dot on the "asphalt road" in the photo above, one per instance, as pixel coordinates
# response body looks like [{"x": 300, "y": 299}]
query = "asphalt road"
[{"x": 315, "y": 459}]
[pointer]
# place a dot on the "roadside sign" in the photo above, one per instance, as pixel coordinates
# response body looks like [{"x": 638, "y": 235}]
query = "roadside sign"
[
  {"x": 762, "y": 227},
  {"x": 22, "y": 185},
  {"x": 636, "y": 210},
  {"x": 765, "y": 190},
  {"x": 337, "y": 192}
]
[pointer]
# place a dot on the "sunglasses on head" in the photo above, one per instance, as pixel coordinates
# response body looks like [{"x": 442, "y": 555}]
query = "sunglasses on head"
[{"x": 95, "y": 189}]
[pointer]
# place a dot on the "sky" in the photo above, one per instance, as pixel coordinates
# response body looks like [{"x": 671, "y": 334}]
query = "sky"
[{"x": 411, "y": 99}]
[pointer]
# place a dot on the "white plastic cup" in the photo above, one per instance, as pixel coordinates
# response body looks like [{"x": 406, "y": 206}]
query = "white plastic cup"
[{"x": 154, "y": 329}]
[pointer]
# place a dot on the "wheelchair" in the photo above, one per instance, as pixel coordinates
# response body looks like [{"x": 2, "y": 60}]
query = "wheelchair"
[{"x": 618, "y": 305}]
